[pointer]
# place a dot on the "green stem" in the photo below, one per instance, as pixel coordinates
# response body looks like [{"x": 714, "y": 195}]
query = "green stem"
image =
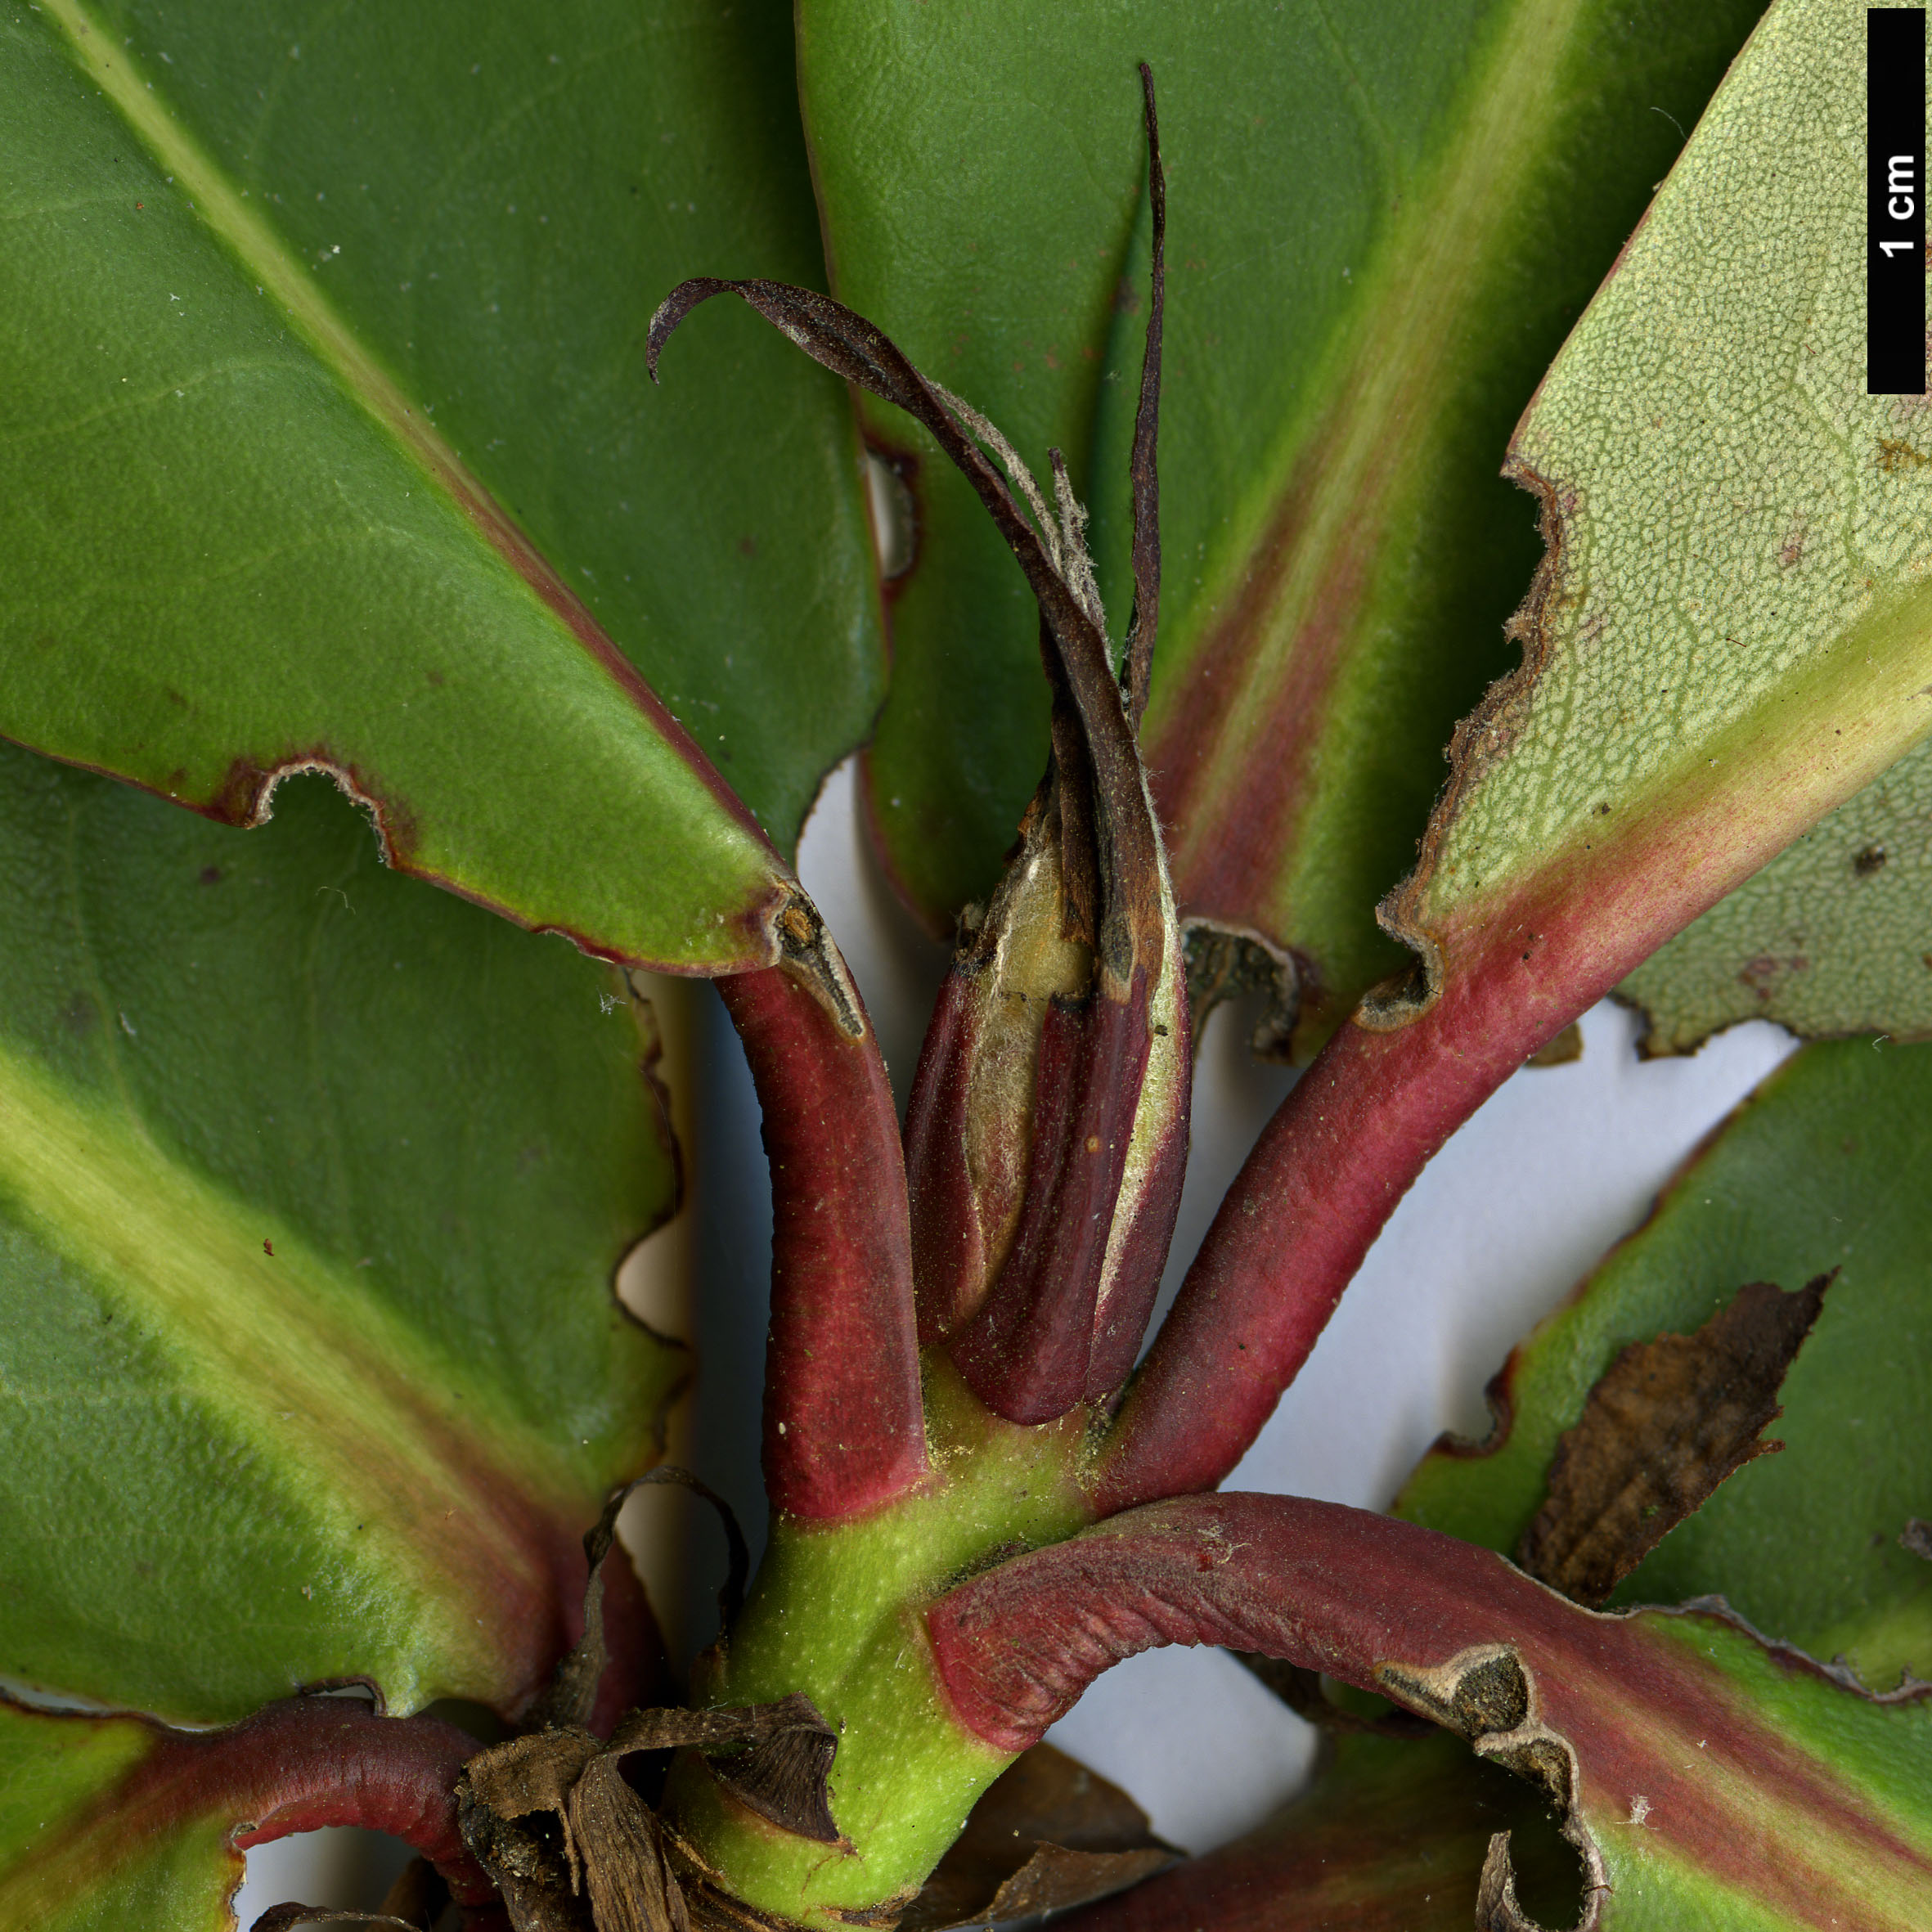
[{"x": 838, "y": 1612}]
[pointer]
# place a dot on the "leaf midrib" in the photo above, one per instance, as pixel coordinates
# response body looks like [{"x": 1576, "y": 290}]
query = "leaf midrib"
[
  {"x": 1366, "y": 440},
  {"x": 282, "y": 1346},
  {"x": 268, "y": 260}
]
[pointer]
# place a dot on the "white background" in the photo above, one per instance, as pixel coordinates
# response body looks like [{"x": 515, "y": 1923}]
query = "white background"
[{"x": 1559, "y": 1163}]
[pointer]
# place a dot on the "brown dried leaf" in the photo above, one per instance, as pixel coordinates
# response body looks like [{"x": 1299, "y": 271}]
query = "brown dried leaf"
[
  {"x": 783, "y": 1778},
  {"x": 1047, "y": 1834},
  {"x": 537, "y": 1866},
  {"x": 1228, "y": 963},
  {"x": 419, "y": 1896},
  {"x": 591, "y": 1853},
  {"x": 632, "y": 1885},
  {"x": 1669, "y": 1420}
]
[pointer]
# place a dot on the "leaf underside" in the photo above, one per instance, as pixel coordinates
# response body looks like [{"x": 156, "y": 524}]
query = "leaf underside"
[{"x": 1806, "y": 1177}]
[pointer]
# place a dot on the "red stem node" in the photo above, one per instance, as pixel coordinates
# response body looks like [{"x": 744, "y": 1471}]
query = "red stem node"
[{"x": 844, "y": 1424}]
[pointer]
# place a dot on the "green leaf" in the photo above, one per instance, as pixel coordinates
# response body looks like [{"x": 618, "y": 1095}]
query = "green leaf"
[
  {"x": 115, "y": 1821},
  {"x": 313, "y": 1183},
  {"x": 1813, "y": 1172},
  {"x": 1705, "y": 1776},
  {"x": 1383, "y": 221},
  {"x": 328, "y": 438},
  {"x": 1831, "y": 938},
  {"x": 1732, "y": 633},
  {"x": 52, "y": 1771}
]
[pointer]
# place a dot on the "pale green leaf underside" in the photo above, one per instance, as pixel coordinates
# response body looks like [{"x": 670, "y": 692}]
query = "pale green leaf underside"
[
  {"x": 1862, "y": 1844},
  {"x": 1737, "y": 546},
  {"x": 228, "y": 1471},
  {"x": 1834, "y": 936}
]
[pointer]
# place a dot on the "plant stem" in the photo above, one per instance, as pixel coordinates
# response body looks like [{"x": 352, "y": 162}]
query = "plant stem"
[{"x": 844, "y": 1428}]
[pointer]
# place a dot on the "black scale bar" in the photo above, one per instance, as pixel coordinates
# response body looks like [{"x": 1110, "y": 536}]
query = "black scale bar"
[{"x": 1895, "y": 201}]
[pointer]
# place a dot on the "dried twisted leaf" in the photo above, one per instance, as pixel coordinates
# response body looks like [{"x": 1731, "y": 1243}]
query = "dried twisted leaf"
[
  {"x": 567, "y": 1699},
  {"x": 572, "y": 1845},
  {"x": 1048, "y": 1834}
]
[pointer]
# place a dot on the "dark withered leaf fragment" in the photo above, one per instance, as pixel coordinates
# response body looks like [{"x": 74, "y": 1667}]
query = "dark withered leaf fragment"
[
  {"x": 632, "y": 1886},
  {"x": 783, "y": 1777},
  {"x": 780, "y": 1758},
  {"x": 419, "y": 1896},
  {"x": 1048, "y": 1834},
  {"x": 1228, "y": 963},
  {"x": 513, "y": 1808},
  {"x": 572, "y": 1846},
  {"x": 1669, "y": 1420},
  {"x": 571, "y": 1694},
  {"x": 1496, "y": 1907},
  {"x": 1138, "y": 660},
  {"x": 1126, "y": 840}
]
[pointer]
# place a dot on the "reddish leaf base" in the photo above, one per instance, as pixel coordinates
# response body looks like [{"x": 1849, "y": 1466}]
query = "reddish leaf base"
[{"x": 1616, "y": 1716}]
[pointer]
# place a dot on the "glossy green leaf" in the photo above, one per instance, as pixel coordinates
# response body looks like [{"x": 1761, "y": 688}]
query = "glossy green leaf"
[
  {"x": 327, "y": 438},
  {"x": 1834, "y": 936},
  {"x": 313, "y": 1184},
  {"x": 1732, "y": 634},
  {"x": 1818, "y": 1169},
  {"x": 1383, "y": 221}
]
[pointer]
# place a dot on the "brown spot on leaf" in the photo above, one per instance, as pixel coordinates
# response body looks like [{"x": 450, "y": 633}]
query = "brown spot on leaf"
[
  {"x": 1669, "y": 1421},
  {"x": 1895, "y": 454},
  {"x": 1869, "y": 860},
  {"x": 1047, "y": 1834},
  {"x": 211, "y": 875},
  {"x": 1761, "y": 974},
  {"x": 1916, "y": 1536}
]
